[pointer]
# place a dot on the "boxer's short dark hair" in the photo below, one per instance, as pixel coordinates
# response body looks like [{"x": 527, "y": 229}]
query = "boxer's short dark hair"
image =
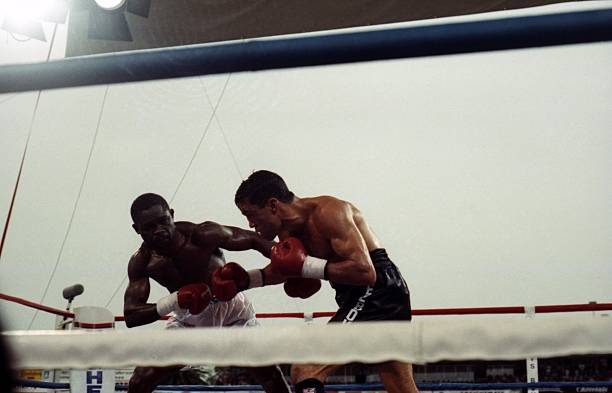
[
  {"x": 260, "y": 186},
  {"x": 146, "y": 201}
]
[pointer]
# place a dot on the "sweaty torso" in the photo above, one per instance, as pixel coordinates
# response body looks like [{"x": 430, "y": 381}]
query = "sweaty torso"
[
  {"x": 188, "y": 263},
  {"x": 316, "y": 243}
]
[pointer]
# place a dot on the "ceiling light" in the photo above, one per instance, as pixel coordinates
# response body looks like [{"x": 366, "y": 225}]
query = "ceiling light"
[{"x": 110, "y": 5}]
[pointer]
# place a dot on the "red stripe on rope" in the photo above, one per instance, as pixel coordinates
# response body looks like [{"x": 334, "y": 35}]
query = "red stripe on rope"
[
  {"x": 471, "y": 310},
  {"x": 432, "y": 311},
  {"x": 86, "y": 325},
  {"x": 280, "y": 315},
  {"x": 37, "y": 306},
  {"x": 323, "y": 314},
  {"x": 574, "y": 307}
]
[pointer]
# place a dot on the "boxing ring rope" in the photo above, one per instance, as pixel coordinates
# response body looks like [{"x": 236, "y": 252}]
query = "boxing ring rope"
[
  {"x": 420, "y": 342},
  {"x": 260, "y": 54},
  {"x": 542, "y": 309},
  {"x": 351, "y": 387}
]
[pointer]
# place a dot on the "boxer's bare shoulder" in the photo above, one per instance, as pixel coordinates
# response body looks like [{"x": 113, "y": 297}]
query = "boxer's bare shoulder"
[{"x": 137, "y": 265}]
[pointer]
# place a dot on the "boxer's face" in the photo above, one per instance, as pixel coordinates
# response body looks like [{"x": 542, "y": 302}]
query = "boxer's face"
[
  {"x": 263, "y": 220},
  {"x": 156, "y": 226}
]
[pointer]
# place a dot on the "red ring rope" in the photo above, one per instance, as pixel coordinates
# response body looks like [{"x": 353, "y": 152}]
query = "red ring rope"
[{"x": 431, "y": 311}]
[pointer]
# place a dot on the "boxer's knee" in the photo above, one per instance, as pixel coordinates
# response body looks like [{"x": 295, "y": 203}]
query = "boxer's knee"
[
  {"x": 145, "y": 379},
  {"x": 139, "y": 382},
  {"x": 300, "y": 372},
  {"x": 270, "y": 378},
  {"x": 264, "y": 373},
  {"x": 296, "y": 373},
  {"x": 397, "y": 377}
]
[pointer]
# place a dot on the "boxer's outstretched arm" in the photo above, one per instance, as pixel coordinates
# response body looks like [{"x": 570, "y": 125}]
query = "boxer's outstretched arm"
[
  {"x": 271, "y": 276},
  {"x": 335, "y": 222},
  {"x": 136, "y": 310},
  {"x": 230, "y": 238}
]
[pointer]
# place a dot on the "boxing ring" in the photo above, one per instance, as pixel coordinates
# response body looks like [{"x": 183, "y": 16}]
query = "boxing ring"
[{"x": 422, "y": 341}]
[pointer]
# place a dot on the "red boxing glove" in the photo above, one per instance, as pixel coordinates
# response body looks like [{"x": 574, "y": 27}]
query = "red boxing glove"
[
  {"x": 289, "y": 259},
  {"x": 230, "y": 279},
  {"x": 302, "y": 287},
  {"x": 194, "y": 297},
  {"x": 288, "y": 256}
]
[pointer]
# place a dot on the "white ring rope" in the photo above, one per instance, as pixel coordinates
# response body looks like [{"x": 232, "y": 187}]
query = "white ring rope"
[{"x": 417, "y": 342}]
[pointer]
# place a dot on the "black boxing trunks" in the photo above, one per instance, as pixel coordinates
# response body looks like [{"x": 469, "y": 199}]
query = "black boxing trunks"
[{"x": 387, "y": 300}]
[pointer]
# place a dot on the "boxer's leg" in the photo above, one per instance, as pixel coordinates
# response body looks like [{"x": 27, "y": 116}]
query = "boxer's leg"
[
  {"x": 310, "y": 378},
  {"x": 239, "y": 312},
  {"x": 270, "y": 378},
  {"x": 397, "y": 377},
  {"x": 145, "y": 379}
]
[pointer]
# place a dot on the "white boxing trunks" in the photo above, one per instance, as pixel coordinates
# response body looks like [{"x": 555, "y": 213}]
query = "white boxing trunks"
[{"x": 236, "y": 312}]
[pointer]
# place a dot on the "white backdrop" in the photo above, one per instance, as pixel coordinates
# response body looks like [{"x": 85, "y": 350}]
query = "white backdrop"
[{"x": 487, "y": 176}]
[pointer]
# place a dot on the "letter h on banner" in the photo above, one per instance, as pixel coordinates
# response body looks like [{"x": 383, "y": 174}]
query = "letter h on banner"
[
  {"x": 97, "y": 376},
  {"x": 90, "y": 376},
  {"x": 92, "y": 381}
]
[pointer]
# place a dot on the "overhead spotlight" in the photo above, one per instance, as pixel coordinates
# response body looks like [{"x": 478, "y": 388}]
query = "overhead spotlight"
[
  {"x": 107, "y": 18},
  {"x": 110, "y": 5},
  {"x": 25, "y": 27},
  {"x": 56, "y": 12},
  {"x": 25, "y": 17}
]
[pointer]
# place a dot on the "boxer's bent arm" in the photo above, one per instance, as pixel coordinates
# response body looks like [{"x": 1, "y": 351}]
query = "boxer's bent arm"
[
  {"x": 230, "y": 238},
  {"x": 136, "y": 310},
  {"x": 335, "y": 222}
]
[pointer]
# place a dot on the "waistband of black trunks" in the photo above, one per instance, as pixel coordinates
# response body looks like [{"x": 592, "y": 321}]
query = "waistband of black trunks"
[{"x": 380, "y": 260}]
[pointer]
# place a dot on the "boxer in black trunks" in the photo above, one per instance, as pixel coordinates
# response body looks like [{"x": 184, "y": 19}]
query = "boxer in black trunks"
[{"x": 325, "y": 238}]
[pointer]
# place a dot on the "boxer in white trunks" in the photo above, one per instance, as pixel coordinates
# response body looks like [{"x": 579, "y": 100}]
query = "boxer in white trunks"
[{"x": 182, "y": 257}]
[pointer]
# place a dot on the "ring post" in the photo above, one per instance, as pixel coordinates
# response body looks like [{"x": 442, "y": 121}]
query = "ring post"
[
  {"x": 93, "y": 380},
  {"x": 532, "y": 363}
]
